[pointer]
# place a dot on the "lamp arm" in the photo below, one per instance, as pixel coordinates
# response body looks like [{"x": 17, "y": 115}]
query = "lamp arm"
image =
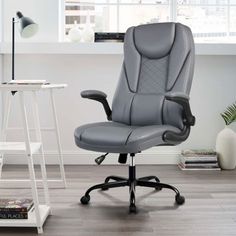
[
  {"x": 13, "y": 53},
  {"x": 13, "y": 50},
  {"x": 13, "y": 47}
]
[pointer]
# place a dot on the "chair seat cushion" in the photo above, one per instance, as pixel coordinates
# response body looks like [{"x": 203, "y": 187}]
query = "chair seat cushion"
[{"x": 120, "y": 138}]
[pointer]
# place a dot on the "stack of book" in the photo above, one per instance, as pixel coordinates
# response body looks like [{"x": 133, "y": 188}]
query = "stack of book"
[
  {"x": 198, "y": 160},
  {"x": 109, "y": 37},
  {"x": 15, "y": 209}
]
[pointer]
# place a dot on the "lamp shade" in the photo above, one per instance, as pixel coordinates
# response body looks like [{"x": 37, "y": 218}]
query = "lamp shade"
[{"x": 28, "y": 27}]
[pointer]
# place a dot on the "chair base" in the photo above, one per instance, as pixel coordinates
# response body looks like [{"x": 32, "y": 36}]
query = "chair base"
[{"x": 132, "y": 182}]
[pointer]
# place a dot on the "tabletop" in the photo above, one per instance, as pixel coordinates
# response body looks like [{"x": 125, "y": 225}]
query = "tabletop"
[{"x": 30, "y": 87}]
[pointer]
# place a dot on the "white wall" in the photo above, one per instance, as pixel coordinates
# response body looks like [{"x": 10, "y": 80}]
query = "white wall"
[
  {"x": 213, "y": 88},
  {"x": 1, "y": 57},
  {"x": 1, "y": 78}
]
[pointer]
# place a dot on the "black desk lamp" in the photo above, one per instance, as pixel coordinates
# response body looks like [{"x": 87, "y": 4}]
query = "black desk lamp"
[{"x": 28, "y": 28}]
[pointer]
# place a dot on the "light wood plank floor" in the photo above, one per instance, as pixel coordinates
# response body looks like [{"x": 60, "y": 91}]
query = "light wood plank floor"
[{"x": 210, "y": 207}]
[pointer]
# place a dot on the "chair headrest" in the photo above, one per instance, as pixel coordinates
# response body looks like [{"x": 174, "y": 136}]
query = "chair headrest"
[{"x": 154, "y": 40}]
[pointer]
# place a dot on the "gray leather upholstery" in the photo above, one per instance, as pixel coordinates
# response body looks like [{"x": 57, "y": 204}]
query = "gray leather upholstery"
[
  {"x": 158, "y": 60},
  {"x": 146, "y": 39},
  {"x": 119, "y": 138}
]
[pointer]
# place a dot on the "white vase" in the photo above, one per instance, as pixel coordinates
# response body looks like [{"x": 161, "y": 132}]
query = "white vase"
[
  {"x": 75, "y": 33},
  {"x": 226, "y": 148},
  {"x": 88, "y": 32}
]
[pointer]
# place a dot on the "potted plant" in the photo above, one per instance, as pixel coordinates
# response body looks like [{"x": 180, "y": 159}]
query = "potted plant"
[{"x": 226, "y": 140}]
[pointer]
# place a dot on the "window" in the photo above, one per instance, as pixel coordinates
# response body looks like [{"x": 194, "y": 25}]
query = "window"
[
  {"x": 210, "y": 20},
  {"x": 115, "y": 15}
]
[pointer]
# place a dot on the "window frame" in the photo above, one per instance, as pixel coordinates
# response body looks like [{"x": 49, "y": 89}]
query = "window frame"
[{"x": 173, "y": 8}]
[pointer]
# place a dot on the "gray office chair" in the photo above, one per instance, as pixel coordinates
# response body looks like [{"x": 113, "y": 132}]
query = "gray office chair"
[{"x": 151, "y": 104}]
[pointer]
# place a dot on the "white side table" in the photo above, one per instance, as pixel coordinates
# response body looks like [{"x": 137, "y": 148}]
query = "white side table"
[
  {"x": 39, "y": 214},
  {"x": 6, "y": 89}
]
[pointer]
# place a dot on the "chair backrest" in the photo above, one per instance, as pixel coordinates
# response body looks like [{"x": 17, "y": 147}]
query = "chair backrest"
[{"x": 158, "y": 59}]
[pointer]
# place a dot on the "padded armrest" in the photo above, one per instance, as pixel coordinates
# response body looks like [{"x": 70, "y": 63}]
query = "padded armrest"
[
  {"x": 183, "y": 100},
  {"x": 177, "y": 94},
  {"x": 100, "y": 97},
  {"x": 92, "y": 94}
]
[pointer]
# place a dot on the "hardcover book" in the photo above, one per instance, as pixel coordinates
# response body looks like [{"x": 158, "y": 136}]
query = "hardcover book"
[
  {"x": 203, "y": 152},
  {"x": 205, "y": 159},
  {"x": 109, "y": 37},
  {"x": 14, "y": 216},
  {"x": 200, "y": 159},
  {"x": 15, "y": 205},
  {"x": 197, "y": 167}
]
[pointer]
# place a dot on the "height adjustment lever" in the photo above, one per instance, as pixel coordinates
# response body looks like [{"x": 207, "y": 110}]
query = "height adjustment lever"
[{"x": 100, "y": 159}]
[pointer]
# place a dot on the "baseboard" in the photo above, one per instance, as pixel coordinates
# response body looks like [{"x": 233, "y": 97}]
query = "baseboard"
[{"x": 83, "y": 158}]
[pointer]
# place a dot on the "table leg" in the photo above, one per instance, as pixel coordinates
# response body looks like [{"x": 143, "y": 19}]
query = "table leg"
[
  {"x": 39, "y": 139},
  {"x": 30, "y": 164},
  {"x": 61, "y": 164},
  {"x": 6, "y": 113}
]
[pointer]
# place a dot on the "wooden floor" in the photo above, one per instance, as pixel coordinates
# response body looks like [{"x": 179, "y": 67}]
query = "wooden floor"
[{"x": 210, "y": 207}]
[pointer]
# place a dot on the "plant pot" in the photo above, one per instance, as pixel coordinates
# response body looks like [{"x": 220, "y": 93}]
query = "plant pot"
[{"x": 226, "y": 149}]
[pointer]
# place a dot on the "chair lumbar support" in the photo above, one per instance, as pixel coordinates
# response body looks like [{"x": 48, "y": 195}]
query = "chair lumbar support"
[{"x": 132, "y": 182}]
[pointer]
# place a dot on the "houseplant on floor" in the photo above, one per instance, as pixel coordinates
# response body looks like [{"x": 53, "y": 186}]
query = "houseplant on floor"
[{"x": 226, "y": 140}]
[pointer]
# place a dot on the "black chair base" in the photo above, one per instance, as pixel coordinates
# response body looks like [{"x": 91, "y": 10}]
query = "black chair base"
[{"x": 132, "y": 182}]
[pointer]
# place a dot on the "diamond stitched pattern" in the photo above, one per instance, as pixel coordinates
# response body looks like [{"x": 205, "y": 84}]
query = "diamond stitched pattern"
[{"x": 153, "y": 75}]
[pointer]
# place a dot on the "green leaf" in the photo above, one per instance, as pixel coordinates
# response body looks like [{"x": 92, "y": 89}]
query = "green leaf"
[{"x": 229, "y": 115}]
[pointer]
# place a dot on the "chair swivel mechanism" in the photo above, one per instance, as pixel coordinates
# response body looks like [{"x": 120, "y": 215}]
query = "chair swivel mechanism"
[{"x": 150, "y": 106}]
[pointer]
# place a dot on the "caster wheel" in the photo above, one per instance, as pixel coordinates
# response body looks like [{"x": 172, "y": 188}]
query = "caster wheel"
[
  {"x": 85, "y": 200},
  {"x": 179, "y": 199},
  {"x": 158, "y": 188},
  {"x": 132, "y": 209}
]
